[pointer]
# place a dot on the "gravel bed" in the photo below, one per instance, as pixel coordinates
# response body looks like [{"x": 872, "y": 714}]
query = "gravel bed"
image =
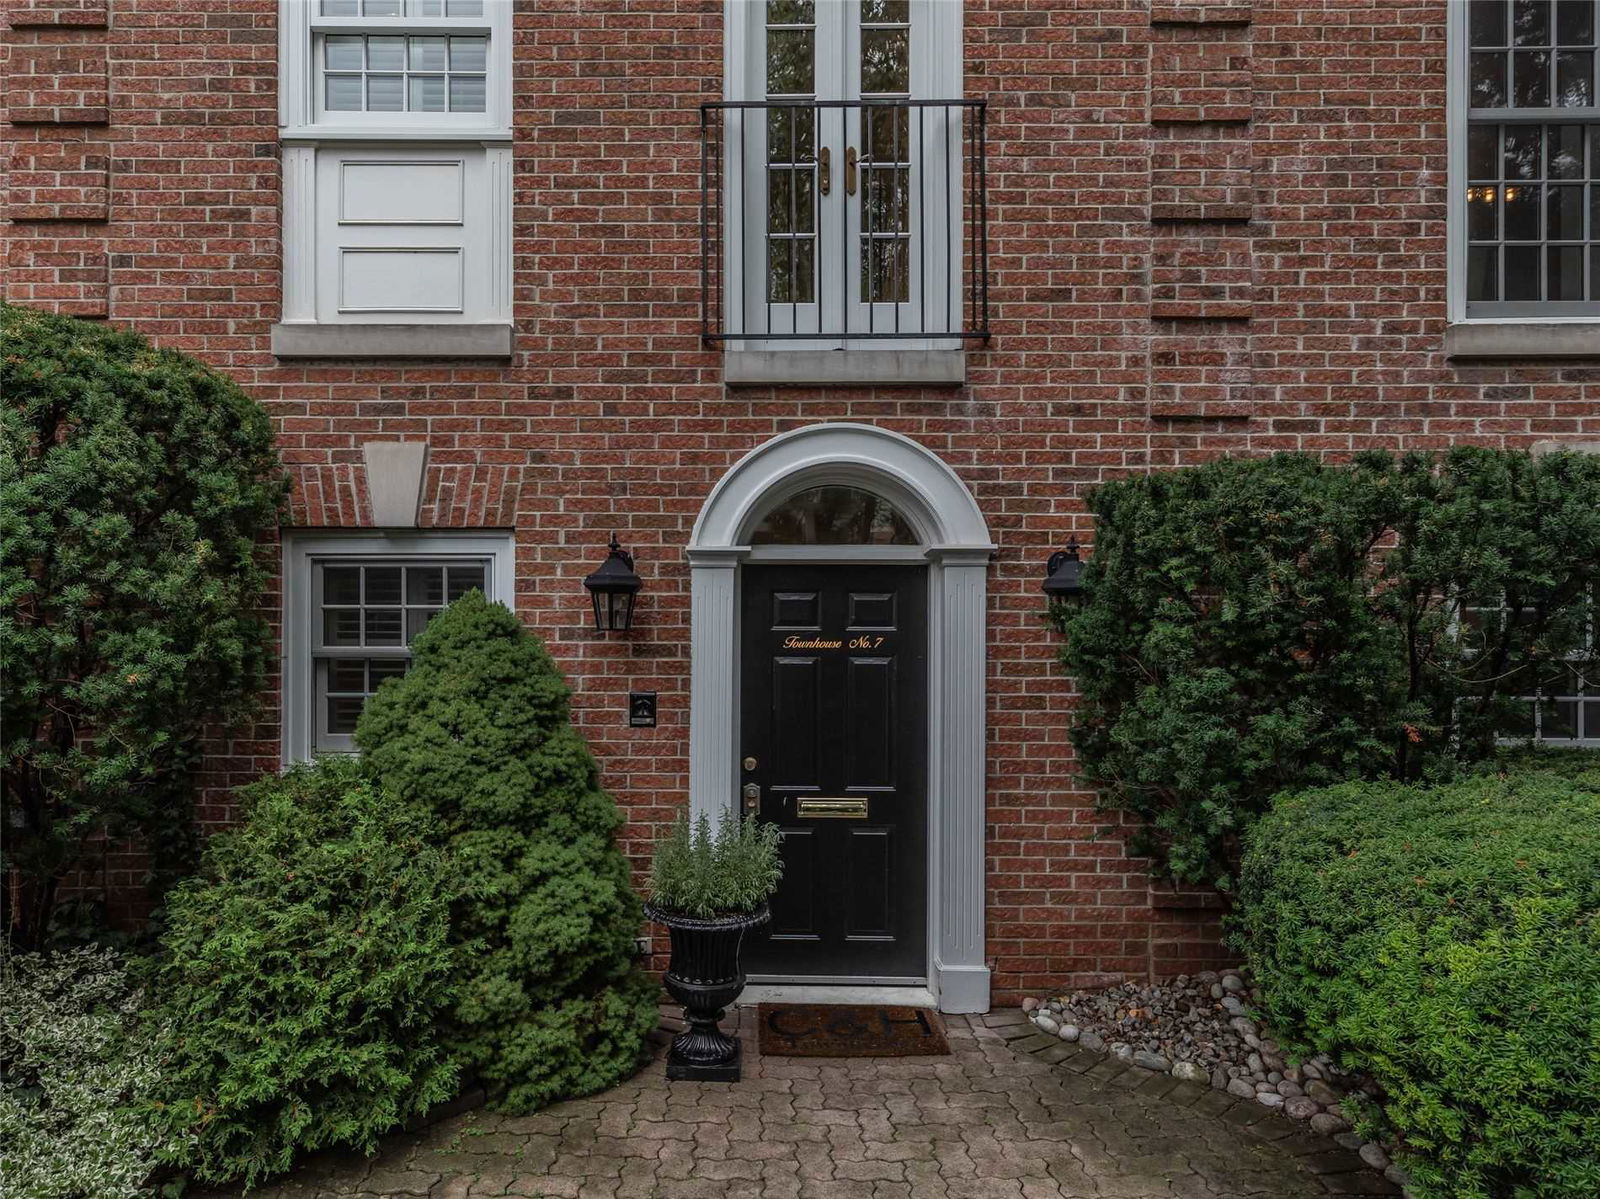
[{"x": 1198, "y": 1028}]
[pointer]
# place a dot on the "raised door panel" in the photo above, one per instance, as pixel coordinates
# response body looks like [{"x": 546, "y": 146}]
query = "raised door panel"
[{"x": 833, "y": 713}]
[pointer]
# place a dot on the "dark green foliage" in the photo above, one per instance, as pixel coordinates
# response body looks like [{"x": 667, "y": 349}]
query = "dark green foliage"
[
  {"x": 477, "y": 731},
  {"x": 1257, "y": 624},
  {"x": 304, "y": 974},
  {"x": 135, "y": 488},
  {"x": 731, "y": 871},
  {"x": 1446, "y": 939}
]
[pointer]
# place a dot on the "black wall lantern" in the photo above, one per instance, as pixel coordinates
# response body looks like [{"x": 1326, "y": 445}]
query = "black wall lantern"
[
  {"x": 1063, "y": 576},
  {"x": 612, "y": 589}
]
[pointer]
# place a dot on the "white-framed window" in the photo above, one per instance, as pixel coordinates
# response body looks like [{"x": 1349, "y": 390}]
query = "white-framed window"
[
  {"x": 395, "y": 117},
  {"x": 1559, "y": 701},
  {"x": 353, "y": 604},
  {"x": 394, "y": 68},
  {"x": 1525, "y": 159},
  {"x": 844, "y": 205}
]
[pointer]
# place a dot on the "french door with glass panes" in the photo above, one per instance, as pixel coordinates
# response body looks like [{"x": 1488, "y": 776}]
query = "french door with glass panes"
[{"x": 847, "y": 194}]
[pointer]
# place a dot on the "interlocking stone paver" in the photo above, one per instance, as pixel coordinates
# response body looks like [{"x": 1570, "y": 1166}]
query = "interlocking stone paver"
[{"x": 991, "y": 1121}]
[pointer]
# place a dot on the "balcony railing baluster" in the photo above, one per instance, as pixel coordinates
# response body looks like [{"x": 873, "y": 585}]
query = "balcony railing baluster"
[{"x": 891, "y": 261}]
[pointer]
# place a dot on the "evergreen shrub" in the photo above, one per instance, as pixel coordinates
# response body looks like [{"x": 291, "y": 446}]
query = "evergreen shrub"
[
  {"x": 478, "y": 731},
  {"x": 304, "y": 975},
  {"x": 136, "y": 488},
  {"x": 1252, "y": 625},
  {"x": 1446, "y": 940}
]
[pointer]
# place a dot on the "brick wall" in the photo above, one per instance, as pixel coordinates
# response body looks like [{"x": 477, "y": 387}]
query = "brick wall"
[{"x": 1215, "y": 228}]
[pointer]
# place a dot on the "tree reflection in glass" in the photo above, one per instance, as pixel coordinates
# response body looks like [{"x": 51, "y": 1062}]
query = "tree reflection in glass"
[{"x": 834, "y": 516}]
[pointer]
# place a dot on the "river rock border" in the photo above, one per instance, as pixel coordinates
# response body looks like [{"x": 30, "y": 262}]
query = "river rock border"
[{"x": 1315, "y": 1131}]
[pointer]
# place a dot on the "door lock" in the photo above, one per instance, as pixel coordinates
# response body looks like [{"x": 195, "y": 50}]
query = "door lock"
[
  {"x": 850, "y": 171},
  {"x": 752, "y": 798},
  {"x": 750, "y": 763},
  {"x": 824, "y": 170}
]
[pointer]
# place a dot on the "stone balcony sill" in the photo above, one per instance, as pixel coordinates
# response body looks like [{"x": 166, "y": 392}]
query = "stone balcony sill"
[
  {"x": 878, "y": 368},
  {"x": 1523, "y": 339}
]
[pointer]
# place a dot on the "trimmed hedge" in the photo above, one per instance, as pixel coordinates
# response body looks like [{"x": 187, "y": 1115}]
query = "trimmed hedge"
[
  {"x": 1253, "y": 625},
  {"x": 1445, "y": 940},
  {"x": 304, "y": 977}
]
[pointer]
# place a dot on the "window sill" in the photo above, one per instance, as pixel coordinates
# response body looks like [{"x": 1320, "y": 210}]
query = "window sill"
[
  {"x": 316, "y": 134},
  {"x": 1523, "y": 339},
  {"x": 882, "y": 368},
  {"x": 392, "y": 341}
]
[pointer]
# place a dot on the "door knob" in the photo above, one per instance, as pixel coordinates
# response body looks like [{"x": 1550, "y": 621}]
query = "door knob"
[{"x": 752, "y": 798}]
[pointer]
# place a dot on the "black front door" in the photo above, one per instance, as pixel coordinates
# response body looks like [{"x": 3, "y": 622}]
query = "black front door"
[{"x": 833, "y": 712}]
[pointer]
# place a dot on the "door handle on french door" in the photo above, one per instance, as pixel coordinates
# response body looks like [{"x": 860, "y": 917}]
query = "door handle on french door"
[
  {"x": 752, "y": 798},
  {"x": 850, "y": 171},
  {"x": 824, "y": 170}
]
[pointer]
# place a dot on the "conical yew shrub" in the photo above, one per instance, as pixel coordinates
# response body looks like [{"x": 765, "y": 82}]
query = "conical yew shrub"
[{"x": 478, "y": 730}]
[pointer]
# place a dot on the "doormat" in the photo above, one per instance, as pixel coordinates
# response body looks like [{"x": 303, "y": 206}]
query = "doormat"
[{"x": 849, "y": 1030}]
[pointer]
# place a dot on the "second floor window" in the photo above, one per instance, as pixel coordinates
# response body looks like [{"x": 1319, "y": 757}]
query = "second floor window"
[
  {"x": 1533, "y": 158},
  {"x": 403, "y": 74},
  {"x": 352, "y": 66},
  {"x": 396, "y": 121},
  {"x": 841, "y": 179}
]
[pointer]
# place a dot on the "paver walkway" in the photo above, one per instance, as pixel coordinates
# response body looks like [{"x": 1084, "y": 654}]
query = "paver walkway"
[{"x": 987, "y": 1121}]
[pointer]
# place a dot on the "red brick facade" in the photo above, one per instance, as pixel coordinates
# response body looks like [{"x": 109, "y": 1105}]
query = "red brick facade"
[{"x": 1214, "y": 228}]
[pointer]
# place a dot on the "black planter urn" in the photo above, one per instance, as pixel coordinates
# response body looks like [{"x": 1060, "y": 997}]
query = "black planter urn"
[{"x": 705, "y": 977}]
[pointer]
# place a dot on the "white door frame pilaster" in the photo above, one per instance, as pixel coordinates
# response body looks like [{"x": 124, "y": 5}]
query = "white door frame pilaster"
[{"x": 956, "y": 545}]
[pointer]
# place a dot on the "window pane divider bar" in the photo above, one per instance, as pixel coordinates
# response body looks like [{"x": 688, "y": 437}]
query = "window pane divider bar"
[
  {"x": 1534, "y": 116},
  {"x": 399, "y": 26},
  {"x": 362, "y": 651}
]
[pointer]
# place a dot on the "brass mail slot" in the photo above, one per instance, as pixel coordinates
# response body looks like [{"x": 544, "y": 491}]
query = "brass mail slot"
[{"x": 847, "y": 808}]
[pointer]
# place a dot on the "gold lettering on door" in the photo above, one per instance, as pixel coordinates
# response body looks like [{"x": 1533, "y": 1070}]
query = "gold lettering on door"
[{"x": 793, "y": 642}]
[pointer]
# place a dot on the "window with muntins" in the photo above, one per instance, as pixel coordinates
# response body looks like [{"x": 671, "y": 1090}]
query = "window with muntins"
[
  {"x": 842, "y": 179},
  {"x": 1532, "y": 158},
  {"x": 396, "y": 122},
  {"x": 396, "y": 64},
  {"x": 355, "y": 605},
  {"x": 369, "y": 613},
  {"x": 1559, "y": 700}
]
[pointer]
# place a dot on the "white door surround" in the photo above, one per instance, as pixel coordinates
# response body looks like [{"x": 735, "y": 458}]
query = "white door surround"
[{"x": 954, "y": 541}]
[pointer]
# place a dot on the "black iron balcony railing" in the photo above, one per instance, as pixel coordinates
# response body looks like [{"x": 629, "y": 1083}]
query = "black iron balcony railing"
[{"x": 833, "y": 221}]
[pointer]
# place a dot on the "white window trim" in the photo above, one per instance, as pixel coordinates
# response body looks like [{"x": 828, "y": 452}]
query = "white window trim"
[
  {"x": 485, "y": 330},
  {"x": 298, "y": 25},
  {"x": 920, "y": 360},
  {"x": 300, "y": 246},
  {"x": 302, "y": 551},
  {"x": 1551, "y": 336}
]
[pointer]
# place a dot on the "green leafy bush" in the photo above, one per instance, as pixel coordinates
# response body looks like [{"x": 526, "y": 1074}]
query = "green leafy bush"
[
  {"x": 136, "y": 486},
  {"x": 551, "y": 1004},
  {"x": 1446, "y": 940},
  {"x": 78, "y": 1064},
  {"x": 1252, "y": 625},
  {"x": 700, "y": 873},
  {"x": 304, "y": 974}
]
